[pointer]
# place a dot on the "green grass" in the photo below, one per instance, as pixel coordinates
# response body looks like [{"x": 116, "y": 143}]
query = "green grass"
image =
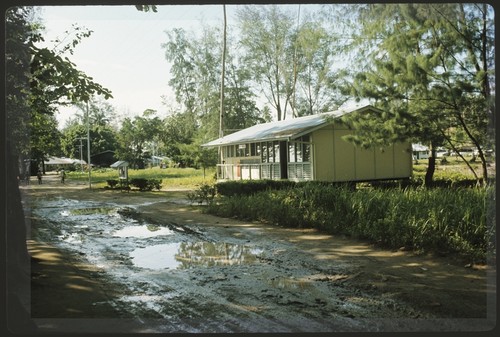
[
  {"x": 441, "y": 220},
  {"x": 453, "y": 169},
  {"x": 171, "y": 177}
]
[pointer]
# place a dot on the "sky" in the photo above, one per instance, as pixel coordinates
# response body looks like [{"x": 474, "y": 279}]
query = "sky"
[{"x": 124, "y": 52}]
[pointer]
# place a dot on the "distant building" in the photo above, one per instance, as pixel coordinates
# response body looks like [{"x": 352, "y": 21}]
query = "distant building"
[
  {"x": 420, "y": 151},
  {"x": 56, "y": 163},
  {"x": 103, "y": 159},
  {"x": 309, "y": 148}
]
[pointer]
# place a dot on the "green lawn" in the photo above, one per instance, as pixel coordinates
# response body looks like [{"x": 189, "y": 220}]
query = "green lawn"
[
  {"x": 171, "y": 177},
  {"x": 454, "y": 169}
]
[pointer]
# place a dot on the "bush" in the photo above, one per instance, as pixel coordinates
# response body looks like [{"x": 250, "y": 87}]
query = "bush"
[
  {"x": 154, "y": 184},
  {"x": 246, "y": 187},
  {"x": 140, "y": 183},
  {"x": 112, "y": 183},
  {"x": 250, "y": 187},
  {"x": 146, "y": 184},
  {"x": 206, "y": 193}
]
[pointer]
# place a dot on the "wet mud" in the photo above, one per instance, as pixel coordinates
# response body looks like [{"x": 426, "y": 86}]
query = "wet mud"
[{"x": 174, "y": 269}]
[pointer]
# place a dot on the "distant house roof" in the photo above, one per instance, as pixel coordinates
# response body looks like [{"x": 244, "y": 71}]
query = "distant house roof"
[
  {"x": 120, "y": 163},
  {"x": 79, "y": 162},
  {"x": 419, "y": 148},
  {"x": 61, "y": 161},
  {"x": 285, "y": 129}
]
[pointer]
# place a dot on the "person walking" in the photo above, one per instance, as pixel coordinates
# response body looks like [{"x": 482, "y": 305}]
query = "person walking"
[
  {"x": 63, "y": 176},
  {"x": 39, "y": 176}
]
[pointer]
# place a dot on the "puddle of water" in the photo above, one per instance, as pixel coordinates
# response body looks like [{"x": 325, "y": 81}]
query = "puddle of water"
[
  {"x": 184, "y": 255},
  {"x": 71, "y": 238},
  {"x": 91, "y": 210},
  {"x": 289, "y": 283},
  {"x": 145, "y": 231},
  {"x": 152, "y": 302}
]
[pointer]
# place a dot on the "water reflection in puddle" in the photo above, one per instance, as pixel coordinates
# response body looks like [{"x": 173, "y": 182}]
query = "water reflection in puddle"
[
  {"x": 288, "y": 283},
  {"x": 183, "y": 255},
  {"x": 92, "y": 210},
  {"x": 145, "y": 231}
]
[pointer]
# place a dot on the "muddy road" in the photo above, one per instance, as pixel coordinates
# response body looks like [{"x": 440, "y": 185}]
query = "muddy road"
[{"x": 151, "y": 262}]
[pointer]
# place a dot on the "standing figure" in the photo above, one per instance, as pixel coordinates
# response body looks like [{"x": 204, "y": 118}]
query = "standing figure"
[
  {"x": 39, "y": 176},
  {"x": 63, "y": 175}
]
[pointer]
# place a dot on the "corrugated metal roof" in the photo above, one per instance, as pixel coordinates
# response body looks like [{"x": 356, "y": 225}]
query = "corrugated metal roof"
[
  {"x": 419, "y": 147},
  {"x": 120, "y": 163},
  {"x": 282, "y": 130},
  {"x": 60, "y": 161}
]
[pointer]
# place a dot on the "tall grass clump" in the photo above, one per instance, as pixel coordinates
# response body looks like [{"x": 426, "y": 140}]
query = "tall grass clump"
[{"x": 441, "y": 220}]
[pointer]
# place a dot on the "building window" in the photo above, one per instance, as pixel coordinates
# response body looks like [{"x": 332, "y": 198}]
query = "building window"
[
  {"x": 300, "y": 150},
  {"x": 306, "y": 148},
  {"x": 270, "y": 152},
  {"x": 276, "y": 151},
  {"x": 241, "y": 150},
  {"x": 291, "y": 152},
  {"x": 264, "y": 154},
  {"x": 253, "y": 149}
]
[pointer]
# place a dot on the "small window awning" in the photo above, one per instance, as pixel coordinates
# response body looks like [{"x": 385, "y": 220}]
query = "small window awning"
[{"x": 283, "y": 130}]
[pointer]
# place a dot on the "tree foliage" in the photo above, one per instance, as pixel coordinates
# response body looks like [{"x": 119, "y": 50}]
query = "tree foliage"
[
  {"x": 196, "y": 68},
  {"x": 39, "y": 80},
  {"x": 291, "y": 57},
  {"x": 266, "y": 34},
  {"x": 429, "y": 69},
  {"x": 136, "y": 136}
]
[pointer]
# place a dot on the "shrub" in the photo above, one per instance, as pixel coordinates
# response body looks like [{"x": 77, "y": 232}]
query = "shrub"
[
  {"x": 146, "y": 184},
  {"x": 205, "y": 193},
  {"x": 112, "y": 183},
  {"x": 153, "y": 184},
  {"x": 140, "y": 183},
  {"x": 250, "y": 187}
]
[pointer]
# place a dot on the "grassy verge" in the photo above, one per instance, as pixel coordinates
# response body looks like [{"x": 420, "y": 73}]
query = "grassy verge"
[
  {"x": 446, "y": 221},
  {"x": 170, "y": 177}
]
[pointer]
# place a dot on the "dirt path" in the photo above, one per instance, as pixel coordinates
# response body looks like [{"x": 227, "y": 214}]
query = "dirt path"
[{"x": 192, "y": 272}]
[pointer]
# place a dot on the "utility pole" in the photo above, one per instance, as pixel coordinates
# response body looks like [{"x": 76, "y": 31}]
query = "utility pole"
[
  {"x": 221, "y": 114},
  {"x": 294, "y": 112},
  {"x": 81, "y": 152},
  {"x": 88, "y": 147}
]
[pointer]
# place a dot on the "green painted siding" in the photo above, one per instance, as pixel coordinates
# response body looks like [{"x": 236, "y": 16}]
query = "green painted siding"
[{"x": 338, "y": 160}]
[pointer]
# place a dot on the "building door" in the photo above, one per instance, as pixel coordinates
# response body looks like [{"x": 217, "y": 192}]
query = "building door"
[{"x": 284, "y": 160}]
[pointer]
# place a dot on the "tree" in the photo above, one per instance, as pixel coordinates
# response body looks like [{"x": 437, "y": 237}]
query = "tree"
[
  {"x": 429, "y": 72},
  {"x": 178, "y": 129},
  {"x": 266, "y": 33},
  {"x": 317, "y": 89},
  {"x": 102, "y": 138},
  {"x": 42, "y": 79},
  {"x": 36, "y": 81},
  {"x": 45, "y": 138},
  {"x": 135, "y": 135},
  {"x": 100, "y": 111},
  {"x": 197, "y": 81}
]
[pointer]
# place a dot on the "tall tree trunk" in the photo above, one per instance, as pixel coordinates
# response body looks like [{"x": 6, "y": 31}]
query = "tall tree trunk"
[
  {"x": 431, "y": 167},
  {"x": 17, "y": 256}
]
